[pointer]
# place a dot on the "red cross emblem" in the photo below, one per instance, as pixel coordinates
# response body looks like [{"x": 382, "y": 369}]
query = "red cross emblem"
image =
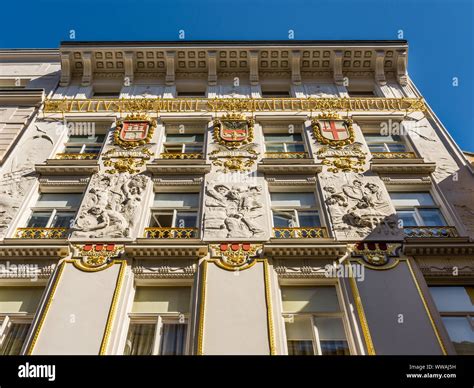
[{"x": 334, "y": 130}]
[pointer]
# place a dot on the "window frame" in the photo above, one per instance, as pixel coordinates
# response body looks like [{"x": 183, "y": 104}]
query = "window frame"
[
  {"x": 285, "y": 144},
  {"x": 53, "y": 211},
  {"x": 168, "y": 209},
  {"x": 184, "y": 144},
  {"x": 296, "y": 211},
  {"x": 417, "y": 217},
  {"x": 341, "y": 314},
  {"x": 468, "y": 315},
  {"x": 158, "y": 320},
  {"x": 84, "y": 145}
]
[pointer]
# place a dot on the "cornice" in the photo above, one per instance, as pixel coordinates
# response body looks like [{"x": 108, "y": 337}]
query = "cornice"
[
  {"x": 289, "y": 166},
  {"x": 59, "y": 167},
  {"x": 153, "y": 251},
  {"x": 174, "y": 167},
  {"x": 439, "y": 246},
  {"x": 33, "y": 251},
  {"x": 402, "y": 166},
  {"x": 24, "y": 97},
  {"x": 298, "y": 251}
]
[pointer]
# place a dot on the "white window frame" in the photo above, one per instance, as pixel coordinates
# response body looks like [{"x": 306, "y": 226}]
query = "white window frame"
[
  {"x": 314, "y": 208},
  {"x": 418, "y": 219},
  {"x": 7, "y": 320},
  {"x": 53, "y": 210},
  {"x": 285, "y": 143},
  {"x": 84, "y": 145},
  {"x": 158, "y": 320},
  {"x": 167, "y": 144},
  {"x": 184, "y": 209},
  {"x": 342, "y": 314}
]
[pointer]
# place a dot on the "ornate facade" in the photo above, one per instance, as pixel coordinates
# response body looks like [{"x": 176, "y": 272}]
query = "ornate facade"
[{"x": 296, "y": 197}]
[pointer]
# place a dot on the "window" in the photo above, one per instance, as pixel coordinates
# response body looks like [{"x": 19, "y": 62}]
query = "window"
[
  {"x": 18, "y": 306},
  {"x": 417, "y": 209},
  {"x": 195, "y": 94},
  {"x": 83, "y": 144},
  {"x": 159, "y": 321},
  {"x": 275, "y": 94},
  {"x": 456, "y": 307},
  {"x": 382, "y": 143},
  {"x": 314, "y": 321},
  {"x": 294, "y": 210},
  {"x": 175, "y": 210},
  {"x": 361, "y": 93},
  {"x": 284, "y": 142},
  {"x": 54, "y": 210},
  {"x": 109, "y": 94},
  {"x": 177, "y": 143}
]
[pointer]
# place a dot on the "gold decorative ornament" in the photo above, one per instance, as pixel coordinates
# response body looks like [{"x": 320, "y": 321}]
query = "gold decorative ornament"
[
  {"x": 134, "y": 131},
  {"x": 41, "y": 233},
  {"x": 314, "y": 232},
  {"x": 173, "y": 155},
  {"x": 172, "y": 105},
  {"x": 376, "y": 254},
  {"x": 170, "y": 233},
  {"x": 236, "y": 164},
  {"x": 329, "y": 129},
  {"x": 344, "y": 165},
  {"x": 120, "y": 166},
  {"x": 96, "y": 257},
  {"x": 235, "y": 256},
  {"x": 393, "y": 155},
  {"x": 233, "y": 130},
  {"x": 286, "y": 155},
  {"x": 83, "y": 156},
  {"x": 144, "y": 153}
]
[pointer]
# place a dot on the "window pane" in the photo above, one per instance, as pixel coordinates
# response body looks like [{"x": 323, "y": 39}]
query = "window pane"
[
  {"x": 295, "y": 147},
  {"x": 86, "y": 139},
  {"x": 377, "y": 138},
  {"x": 186, "y": 220},
  {"x": 299, "y": 334},
  {"x": 275, "y": 147},
  {"x": 92, "y": 149},
  {"x": 15, "y": 339},
  {"x": 173, "y": 339},
  {"x": 193, "y": 149},
  {"x": 396, "y": 147},
  {"x": 62, "y": 220},
  {"x": 283, "y": 137},
  {"x": 453, "y": 298},
  {"x": 332, "y": 336},
  {"x": 293, "y": 199},
  {"x": 432, "y": 217},
  {"x": 407, "y": 217},
  {"x": 300, "y": 348},
  {"x": 411, "y": 199},
  {"x": 38, "y": 220},
  {"x": 176, "y": 200},
  {"x": 59, "y": 200},
  {"x": 284, "y": 219},
  {"x": 377, "y": 148},
  {"x": 173, "y": 149},
  {"x": 19, "y": 299},
  {"x": 162, "y": 300},
  {"x": 461, "y": 334},
  {"x": 309, "y": 299},
  {"x": 72, "y": 150},
  {"x": 308, "y": 219},
  {"x": 184, "y": 138},
  {"x": 161, "y": 220},
  {"x": 140, "y": 339}
]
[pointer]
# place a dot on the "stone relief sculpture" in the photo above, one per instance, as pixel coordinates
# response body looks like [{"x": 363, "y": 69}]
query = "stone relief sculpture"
[
  {"x": 111, "y": 206},
  {"x": 234, "y": 211},
  {"x": 18, "y": 176},
  {"x": 359, "y": 207}
]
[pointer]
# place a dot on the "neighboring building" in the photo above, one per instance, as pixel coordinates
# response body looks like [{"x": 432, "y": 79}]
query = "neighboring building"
[{"x": 193, "y": 198}]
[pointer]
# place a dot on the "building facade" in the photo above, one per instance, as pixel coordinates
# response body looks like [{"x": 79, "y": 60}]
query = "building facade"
[{"x": 202, "y": 198}]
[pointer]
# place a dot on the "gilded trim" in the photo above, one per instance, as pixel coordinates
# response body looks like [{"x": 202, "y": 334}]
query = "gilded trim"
[
  {"x": 271, "y": 333},
  {"x": 362, "y": 318},
  {"x": 435, "y": 329},
  {"x": 202, "y": 310},
  {"x": 46, "y": 308},
  {"x": 268, "y": 298},
  {"x": 113, "y": 307},
  {"x": 77, "y": 263},
  {"x": 395, "y": 262}
]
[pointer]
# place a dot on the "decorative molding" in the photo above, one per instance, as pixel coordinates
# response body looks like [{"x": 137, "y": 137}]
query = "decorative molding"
[
  {"x": 323, "y": 249},
  {"x": 424, "y": 180},
  {"x": 301, "y": 268},
  {"x": 164, "y": 269},
  {"x": 150, "y": 249}
]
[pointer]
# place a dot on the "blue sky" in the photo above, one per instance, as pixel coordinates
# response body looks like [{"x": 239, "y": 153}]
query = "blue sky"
[{"x": 439, "y": 32}]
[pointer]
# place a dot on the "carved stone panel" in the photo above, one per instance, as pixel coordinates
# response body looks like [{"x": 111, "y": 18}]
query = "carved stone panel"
[
  {"x": 360, "y": 207},
  {"x": 235, "y": 211},
  {"x": 111, "y": 207}
]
